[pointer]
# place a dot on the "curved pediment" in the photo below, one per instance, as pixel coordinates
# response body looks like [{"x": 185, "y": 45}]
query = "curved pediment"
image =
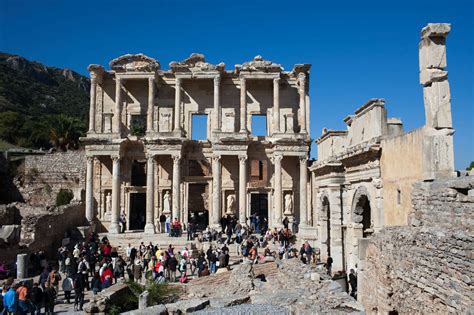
[
  {"x": 195, "y": 63},
  {"x": 260, "y": 64},
  {"x": 134, "y": 63}
]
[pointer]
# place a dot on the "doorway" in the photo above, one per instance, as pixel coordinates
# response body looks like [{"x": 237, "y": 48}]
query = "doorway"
[
  {"x": 137, "y": 211},
  {"x": 198, "y": 210},
  {"x": 259, "y": 211}
]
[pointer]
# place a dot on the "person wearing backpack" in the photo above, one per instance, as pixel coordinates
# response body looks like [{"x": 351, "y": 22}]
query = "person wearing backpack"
[
  {"x": 78, "y": 291},
  {"x": 53, "y": 280},
  {"x": 36, "y": 298},
  {"x": 68, "y": 286},
  {"x": 83, "y": 268}
]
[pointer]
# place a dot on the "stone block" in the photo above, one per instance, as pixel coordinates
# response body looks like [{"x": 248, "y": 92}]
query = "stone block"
[
  {"x": 437, "y": 99},
  {"x": 143, "y": 300},
  {"x": 22, "y": 266},
  {"x": 187, "y": 306},
  {"x": 315, "y": 276},
  {"x": 432, "y": 53},
  {"x": 428, "y": 76},
  {"x": 435, "y": 30},
  {"x": 229, "y": 301},
  {"x": 152, "y": 310}
]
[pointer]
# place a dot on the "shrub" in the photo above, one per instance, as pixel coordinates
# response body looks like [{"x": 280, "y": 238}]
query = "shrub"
[{"x": 64, "y": 197}]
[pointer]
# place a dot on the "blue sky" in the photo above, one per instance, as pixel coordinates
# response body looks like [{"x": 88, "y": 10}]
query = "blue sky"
[{"x": 358, "y": 49}]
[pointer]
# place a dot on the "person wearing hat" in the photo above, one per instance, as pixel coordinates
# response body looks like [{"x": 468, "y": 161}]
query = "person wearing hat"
[{"x": 137, "y": 270}]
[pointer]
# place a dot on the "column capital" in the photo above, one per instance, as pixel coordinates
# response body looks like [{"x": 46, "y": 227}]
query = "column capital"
[
  {"x": 242, "y": 159},
  {"x": 115, "y": 158},
  {"x": 90, "y": 158},
  {"x": 276, "y": 80},
  {"x": 151, "y": 79},
  {"x": 302, "y": 82},
  {"x": 176, "y": 158},
  {"x": 303, "y": 159},
  {"x": 278, "y": 157},
  {"x": 178, "y": 82},
  {"x": 118, "y": 80},
  {"x": 216, "y": 157},
  {"x": 217, "y": 80},
  {"x": 242, "y": 80},
  {"x": 150, "y": 156}
]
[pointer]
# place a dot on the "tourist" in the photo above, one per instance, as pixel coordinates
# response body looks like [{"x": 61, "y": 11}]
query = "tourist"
[
  {"x": 190, "y": 231},
  {"x": 161, "y": 226},
  {"x": 83, "y": 268},
  {"x": 176, "y": 228},
  {"x": 10, "y": 301},
  {"x": 212, "y": 259},
  {"x": 96, "y": 284},
  {"x": 353, "y": 283},
  {"x": 36, "y": 299},
  {"x": 183, "y": 278},
  {"x": 53, "y": 279},
  {"x": 68, "y": 286},
  {"x": 329, "y": 262},
  {"x": 49, "y": 298},
  {"x": 78, "y": 291},
  {"x": 285, "y": 222},
  {"x": 253, "y": 254},
  {"x": 137, "y": 271},
  {"x": 182, "y": 265},
  {"x": 107, "y": 277},
  {"x": 168, "y": 225},
  {"x": 205, "y": 271},
  {"x": 172, "y": 265},
  {"x": 22, "y": 293}
]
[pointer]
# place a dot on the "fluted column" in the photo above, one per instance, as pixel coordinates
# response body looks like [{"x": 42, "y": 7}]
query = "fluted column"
[
  {"x": 176, "y": 186},
  {"x": 217, "y": 100},
  {"x": 243, "y": 106},
  {"x": 92, "y": 104},
  {"x": 216, "y": 190},
  {"x": 278, "y": 192},
  {"x": 114, "y": 224},
  {"x": 151, "y": 99},
  {"x": 90, "y": 189},
  {"x": 150, "y": 197},
  {"x": 276, "y": 105},
  {"x": 303, "y": 194},
  {"x": 116, "y": 125},
  {"x": 242, "y": 189},
  {"x": 302, "y": 92},
  {"x": 177, "y": 106}
]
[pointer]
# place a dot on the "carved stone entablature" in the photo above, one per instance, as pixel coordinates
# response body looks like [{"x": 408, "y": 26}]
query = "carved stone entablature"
[
  {"x": 134, "y": 63},
  {"x": 259, "y": 64},
  {"x": 373, "y": 102},
  {"x": 327, "y": 133},
  {"x": 334, "y": 167},
  {"x": 195, "y": 63},
  {"x": 301, "y": 68},
  {"x": 96, "y": 72}
]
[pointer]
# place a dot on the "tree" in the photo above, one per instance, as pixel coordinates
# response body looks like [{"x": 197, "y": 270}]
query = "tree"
[
  {"x": 65, "y": 132},
  {"x": 11, "y": 125},
  {"x": 471, "y": 166}
]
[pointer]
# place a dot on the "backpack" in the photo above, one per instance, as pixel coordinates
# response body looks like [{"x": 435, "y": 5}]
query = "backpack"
[{"x": 245, "y": 251}]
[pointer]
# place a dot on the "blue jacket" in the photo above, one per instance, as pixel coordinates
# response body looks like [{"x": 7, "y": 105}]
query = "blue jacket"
[{"x": 10, "y": 301}]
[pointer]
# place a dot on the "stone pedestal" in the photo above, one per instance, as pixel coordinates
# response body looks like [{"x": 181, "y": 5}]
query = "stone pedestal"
[{"x": 22, "y": 266}]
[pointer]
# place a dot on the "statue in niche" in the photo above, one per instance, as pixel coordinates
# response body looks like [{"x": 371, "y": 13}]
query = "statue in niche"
[
  {"x": 108, "y": 203},
  {"x": 166, "y": 203},
  {"x": 288, "y": 204},
  {"x": 230, "y": 204}
]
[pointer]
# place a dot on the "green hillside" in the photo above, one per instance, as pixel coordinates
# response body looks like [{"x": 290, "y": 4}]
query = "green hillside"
[{"x": 41, "y": 106}]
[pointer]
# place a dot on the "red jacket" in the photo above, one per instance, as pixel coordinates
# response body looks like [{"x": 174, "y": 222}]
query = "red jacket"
[{"x": 107, "y": 273}]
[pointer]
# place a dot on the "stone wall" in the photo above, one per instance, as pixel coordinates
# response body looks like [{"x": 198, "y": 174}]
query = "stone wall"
[
  {"x": 426, "y": 267},
  {"x": 45, "y": 175}
]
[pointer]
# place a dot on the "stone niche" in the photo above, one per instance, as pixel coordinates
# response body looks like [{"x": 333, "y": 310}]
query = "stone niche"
[
  {"x": 165, "y": 119},
  {"x": 228, "y": 119}
]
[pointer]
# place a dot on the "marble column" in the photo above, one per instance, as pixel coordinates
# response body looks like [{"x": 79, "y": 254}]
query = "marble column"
[
  {"x": 243, "y": 106},
  {"x": 177, "y": 106},
  {"x": 22, "y": 266},
  {"x": 302, "y": 92},
  {"x": 90, "y": 189},
  {"x": 277, "y": 197},
  {"x": 150, "y": 197},
  {"x": 216, "y": 191},
  {"x": 243, "y": 189},
  {"x": 151, "y": 100},
  {"x": 217, "y": 100},
  {"x": 92, "y": 104},
  {"x": 303, "y": 190},
  {"x": 114, "y": 222},
  {"x": 116, "y": 124},
  {"x": 176, "y": 186},
  {"x": 276, "y": 105}
]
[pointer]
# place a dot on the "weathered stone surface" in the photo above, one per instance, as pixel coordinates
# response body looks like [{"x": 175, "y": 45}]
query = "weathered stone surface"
[
  {"x": 247, "y": 309},
  {"x": 437, "y": 100},
  {"x": 187, "y": 306},
  {"x": 229, "y": 301},
  {"x": 152, "y": 310},
  {"x": 143, "y": 300}
]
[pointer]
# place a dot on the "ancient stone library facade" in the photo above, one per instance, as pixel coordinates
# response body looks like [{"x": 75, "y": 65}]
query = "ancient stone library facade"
[{"x": 142, "y": 160}]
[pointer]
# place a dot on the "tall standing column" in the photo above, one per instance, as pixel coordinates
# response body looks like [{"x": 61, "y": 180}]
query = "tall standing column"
[
  {"x": 114, "y": 224},
  {"x": 89, "y": 190},
  {"x": 303, "y": 190},
  {"x": 276, "y": 105},
  {"x": 116, "y": 125},
  {"x": 216, "y": 190},
  {"x": 177, "y": 106},
  {"x": 243, "y": 106},
  {"x": 92, "y": 104},
  {"x": 302, "y": 92},
  {"x": 151, "y": 99},
  {"x": 150, "y": 197},
  {"x": 243, "y": 189},
  {"x": 176, "y": 186},
  {"x": 217, "y": 100},
  {"x": 278, "y": 192}
]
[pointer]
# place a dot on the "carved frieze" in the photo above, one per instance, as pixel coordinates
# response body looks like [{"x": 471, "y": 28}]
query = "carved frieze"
[
  {"x": 134, "y": 63},
  {"x": 260, "y": 64},
  {"x": 195, "y": 63}
]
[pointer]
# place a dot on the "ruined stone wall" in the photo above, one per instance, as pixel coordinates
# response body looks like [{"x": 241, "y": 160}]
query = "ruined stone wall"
[
  {"x": 45, "y": 175},
  {"x": 426, "y": 267}
]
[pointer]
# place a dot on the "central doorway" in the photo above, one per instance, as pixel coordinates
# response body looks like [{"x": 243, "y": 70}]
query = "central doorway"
[
  {"x": 137, "y": 211},
  {"x": 198, "y": 207},
  {"x": 259, "y": 211}
]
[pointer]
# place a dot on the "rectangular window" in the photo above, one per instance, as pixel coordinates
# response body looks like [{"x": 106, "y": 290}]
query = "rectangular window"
[
  {"x": 259, "y": 125},
  {"x": 199, "y": 127}
]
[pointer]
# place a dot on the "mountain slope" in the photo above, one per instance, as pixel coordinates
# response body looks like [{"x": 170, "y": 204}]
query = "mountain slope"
[{"x": 34, "y": 99}]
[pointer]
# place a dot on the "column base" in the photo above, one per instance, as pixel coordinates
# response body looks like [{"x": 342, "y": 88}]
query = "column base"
[
  {"x": 149, "y": 228},
  {"x": 114, "y": 228}
]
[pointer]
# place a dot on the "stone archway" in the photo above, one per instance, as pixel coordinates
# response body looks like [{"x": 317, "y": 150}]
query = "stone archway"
[{"x": 361, "y": 211}]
